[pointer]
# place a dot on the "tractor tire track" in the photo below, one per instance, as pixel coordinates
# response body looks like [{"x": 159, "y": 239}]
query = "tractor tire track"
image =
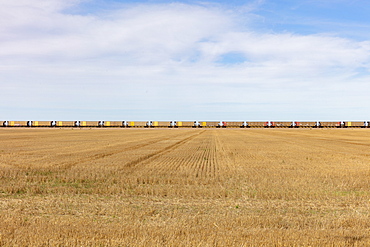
[
  {"x": 160, "y": 153},
  {"x": 99, "y": 156}
]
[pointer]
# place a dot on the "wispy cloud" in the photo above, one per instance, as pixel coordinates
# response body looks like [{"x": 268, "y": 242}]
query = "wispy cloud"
[{"x": 174, "y": 60}]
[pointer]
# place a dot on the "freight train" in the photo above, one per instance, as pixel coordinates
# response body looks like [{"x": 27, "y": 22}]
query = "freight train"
[{"x": 186, "y": 124}]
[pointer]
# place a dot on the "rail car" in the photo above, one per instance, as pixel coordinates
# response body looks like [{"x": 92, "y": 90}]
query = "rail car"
[
  {"x": 257, "y": 124},
  {"x": 330, "y": 124},
  {"x": 306, "y": 124},
  {"x": 209, "y": 124},
  {"x": 117, "y": 124},
  {"x": 281, "y": 124},
  {"x": 16, "y": 123},
  {"x": 161, "y": 124},
  {"x": 137, "y": 124},
  {"x": 356, "y": 124},
  {"x": 185, "y": 124},
  {"x": 233, "y": 124},
  {"x": 89, "y": 123},
  {"x": 66, "y": 124},
  {"x": 42, "y": 123}
]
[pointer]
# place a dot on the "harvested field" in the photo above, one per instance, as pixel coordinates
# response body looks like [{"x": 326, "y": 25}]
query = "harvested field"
[{"x": 184, "y": 187}]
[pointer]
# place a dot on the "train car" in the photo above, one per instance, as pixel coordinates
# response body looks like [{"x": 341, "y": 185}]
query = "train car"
[
  {"x": 257, "y": 124},
  {"x": 210, "y": 124},
  {"x": 305, "y": 124},
  {"x": 42, "y": 123},
  {"x": 89, "y": 123},
  {"x": 161, "y": 124},
  {"x": 116, "y": 124},
  {"x": 354, "y": 124},
  {"x": 137, "y": 124},
  {"x": 185, "y": 124},
  {"x": 66, "y": 124},
  {"x": 281, "y": 124},
  {"x": 330, "y": 124},
  {"x": 233, "y": 124},
  {"x": 17, "y": 123},
  {"x": 201, "y": 124}
]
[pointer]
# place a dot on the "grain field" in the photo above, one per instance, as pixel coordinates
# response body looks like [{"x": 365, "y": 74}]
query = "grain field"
[{"x": 184, "y": 187}]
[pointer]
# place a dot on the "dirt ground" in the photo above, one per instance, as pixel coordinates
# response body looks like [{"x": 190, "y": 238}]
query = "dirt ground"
[{"x": 184, "y": 187}]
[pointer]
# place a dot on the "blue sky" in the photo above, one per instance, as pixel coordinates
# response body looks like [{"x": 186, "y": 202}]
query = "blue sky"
[{"x": 184, "y": 60}]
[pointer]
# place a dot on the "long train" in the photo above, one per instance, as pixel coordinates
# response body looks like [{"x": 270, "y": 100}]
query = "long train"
[{"x": 187, "y": 124}]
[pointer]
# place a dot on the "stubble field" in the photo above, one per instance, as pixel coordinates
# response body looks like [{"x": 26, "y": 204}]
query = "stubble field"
[{"x": 184, "y": 187}]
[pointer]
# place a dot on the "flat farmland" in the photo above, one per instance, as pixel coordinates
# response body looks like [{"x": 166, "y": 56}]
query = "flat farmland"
[{"x": 184, "y": 187}]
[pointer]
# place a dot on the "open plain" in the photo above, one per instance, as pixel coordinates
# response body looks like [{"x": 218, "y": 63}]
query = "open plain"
[{"x": 184, "y": 187}]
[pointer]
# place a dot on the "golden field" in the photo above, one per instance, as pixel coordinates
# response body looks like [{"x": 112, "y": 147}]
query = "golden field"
[{"x": 184, "y": 187}]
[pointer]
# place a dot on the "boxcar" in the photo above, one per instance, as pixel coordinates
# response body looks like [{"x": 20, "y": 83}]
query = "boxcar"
[
  {"x": 330, "y": 124},
  {"x": 281, "y": 124},
  {"x": 113, "y": 124},
  {"x": 137, "y": 124},
  {"x": 210, "y": 124},
  {"x": 160, "y": 124},
  {"x": 354, "y": 124},
  {"x": 233, "y": 124},
  {"x": 17, "y": 123},
  {"x": 257, "y": 124},
  {"x": 185, "y": 124},
  {"x": 305, "y": 124},
  {"x": 42, "y": 123},
  {"x": 65, "y": 123}
]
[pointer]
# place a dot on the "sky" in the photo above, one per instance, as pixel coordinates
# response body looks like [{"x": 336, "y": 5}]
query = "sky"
[{"x": 251, "y": 60}]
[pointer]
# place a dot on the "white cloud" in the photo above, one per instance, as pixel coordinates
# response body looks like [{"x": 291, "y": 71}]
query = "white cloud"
[{"x": 169, "y": 52}]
